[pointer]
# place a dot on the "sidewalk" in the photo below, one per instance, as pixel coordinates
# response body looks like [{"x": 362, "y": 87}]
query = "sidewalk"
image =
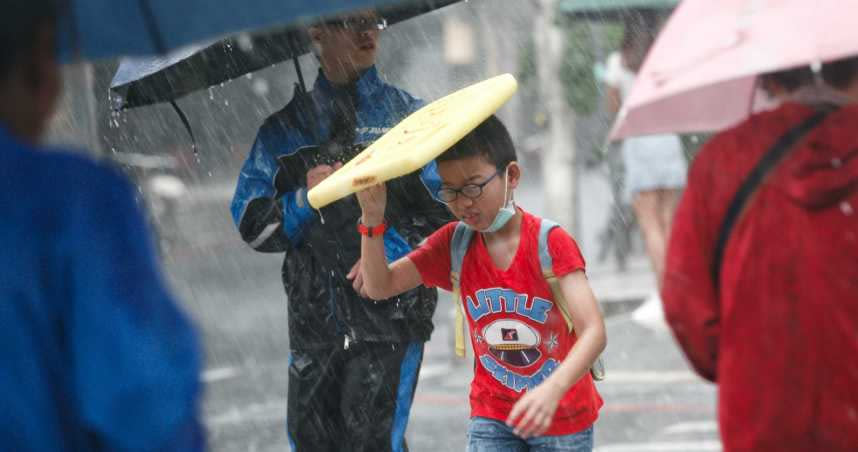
[{"x": 622, "y": 291}]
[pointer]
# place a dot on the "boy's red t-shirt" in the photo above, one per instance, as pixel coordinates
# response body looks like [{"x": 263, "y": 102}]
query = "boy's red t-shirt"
[{"x": 518, "y": 334}]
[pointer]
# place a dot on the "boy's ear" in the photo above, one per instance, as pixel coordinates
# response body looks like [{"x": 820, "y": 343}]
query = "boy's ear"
[{"x": 513, "y": 174}]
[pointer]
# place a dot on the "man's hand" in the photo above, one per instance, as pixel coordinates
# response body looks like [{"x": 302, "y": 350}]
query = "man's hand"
[
  {"x": 372, "y": 203},
  {"x": 533, "y": 413},
  {"x": 319, "y": 173},
  {"x": 356, "y": 277}
]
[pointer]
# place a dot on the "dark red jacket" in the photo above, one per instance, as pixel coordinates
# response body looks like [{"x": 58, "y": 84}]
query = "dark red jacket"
[{"x": 781, "y": 338}]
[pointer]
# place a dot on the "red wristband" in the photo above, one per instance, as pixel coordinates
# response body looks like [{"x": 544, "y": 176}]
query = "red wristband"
[{"x": 373, "y": 231}]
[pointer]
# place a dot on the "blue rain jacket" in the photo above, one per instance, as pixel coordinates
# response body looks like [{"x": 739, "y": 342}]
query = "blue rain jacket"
[
  {"x": 271, "y": 211},
  {"x": 95, "y": 354}
]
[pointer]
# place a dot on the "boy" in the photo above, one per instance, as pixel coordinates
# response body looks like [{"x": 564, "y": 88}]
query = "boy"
[{"x": 532, "y": 388}]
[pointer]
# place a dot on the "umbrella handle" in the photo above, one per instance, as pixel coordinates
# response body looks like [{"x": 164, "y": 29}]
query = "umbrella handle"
[
  {"x": 300, "y": 75},
  {"x": 187, "y": 124},
  {"x": 306, "y": 100}
]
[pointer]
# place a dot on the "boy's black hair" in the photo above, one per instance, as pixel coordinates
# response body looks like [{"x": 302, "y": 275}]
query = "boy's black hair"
[
  {"x": 490, "y": 139},
  {"x": 19, "y": 27}
]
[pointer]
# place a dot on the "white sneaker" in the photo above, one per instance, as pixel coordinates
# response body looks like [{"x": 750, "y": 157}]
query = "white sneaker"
[{"x": 650, "y": 314}]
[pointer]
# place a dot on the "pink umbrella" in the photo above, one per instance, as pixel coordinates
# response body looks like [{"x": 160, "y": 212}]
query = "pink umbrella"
[{"x": 700, "y": 74}]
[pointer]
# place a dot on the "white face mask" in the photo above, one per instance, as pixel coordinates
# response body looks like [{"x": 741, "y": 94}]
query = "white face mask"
[{"x": 506, "y": 212}]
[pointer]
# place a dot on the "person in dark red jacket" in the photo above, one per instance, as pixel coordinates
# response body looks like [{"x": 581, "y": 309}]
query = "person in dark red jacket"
[{"x": 778, "y": 330}]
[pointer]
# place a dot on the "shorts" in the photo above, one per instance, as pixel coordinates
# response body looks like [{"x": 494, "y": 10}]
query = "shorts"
[
  {"x": 490, "y": 435},
  {"x": 653, "y": 162}
]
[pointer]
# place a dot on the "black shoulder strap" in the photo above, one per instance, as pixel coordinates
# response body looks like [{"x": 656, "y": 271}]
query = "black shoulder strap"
[{"x": 769, "y": 161}]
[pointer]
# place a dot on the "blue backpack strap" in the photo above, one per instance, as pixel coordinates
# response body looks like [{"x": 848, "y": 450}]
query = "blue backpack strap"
[
  {"x": 545, "y": 260},
  {"x": 458, "y": 247}
]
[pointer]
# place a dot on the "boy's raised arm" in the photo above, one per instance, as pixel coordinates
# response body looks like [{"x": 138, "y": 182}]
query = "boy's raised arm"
[{"x": 373, "y": 277}]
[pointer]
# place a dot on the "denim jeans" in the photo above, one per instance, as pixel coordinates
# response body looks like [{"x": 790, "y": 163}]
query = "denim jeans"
[{"x": 489, "y": 435}]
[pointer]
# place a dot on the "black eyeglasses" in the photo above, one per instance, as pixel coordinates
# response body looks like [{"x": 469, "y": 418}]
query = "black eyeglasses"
[
  {"x": 359, "y": 23},
  {"x": 472, "y": 191}
]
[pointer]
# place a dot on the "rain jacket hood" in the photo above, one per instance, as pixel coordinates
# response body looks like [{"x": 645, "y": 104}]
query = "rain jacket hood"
[{"x": 823, "y": 170}]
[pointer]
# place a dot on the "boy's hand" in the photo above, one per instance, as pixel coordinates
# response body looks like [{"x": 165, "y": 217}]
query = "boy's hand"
[
  {"x": 533, "y": 413},
  {"x": 319, "y": 173},
  {"x": 372, "y": 203},
  {"x": 356, "y": 277}
]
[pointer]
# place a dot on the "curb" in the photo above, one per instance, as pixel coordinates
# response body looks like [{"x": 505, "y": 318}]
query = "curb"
[{"x": 613, "y": 308}]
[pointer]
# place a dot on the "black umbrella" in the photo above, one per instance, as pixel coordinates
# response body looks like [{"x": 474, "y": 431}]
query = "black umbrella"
[{"x": 150, "y": 81}]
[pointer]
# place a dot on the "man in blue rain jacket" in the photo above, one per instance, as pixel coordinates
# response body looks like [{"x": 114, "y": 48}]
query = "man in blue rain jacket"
[
  {"x": 95, "y": 354},
  {"x": 353, "y": 363}
]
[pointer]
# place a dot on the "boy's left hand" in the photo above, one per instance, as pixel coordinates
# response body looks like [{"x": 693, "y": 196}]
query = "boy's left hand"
[
  {"x": 356, "y": 277},
  {"x": 372, "y": 202},
  {"x": 533, "y": 413}
]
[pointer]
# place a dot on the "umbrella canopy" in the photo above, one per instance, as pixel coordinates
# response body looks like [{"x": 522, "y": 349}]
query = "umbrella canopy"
[
  {"x": 609, "y": 9},
  {"x": 94, "y": 29},
  {"x": 701, "y": 73},
  {"x": 146, "y": 81}
]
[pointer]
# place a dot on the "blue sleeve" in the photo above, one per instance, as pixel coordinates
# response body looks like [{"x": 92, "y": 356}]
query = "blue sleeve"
[
  {"x": 431, "y": 179},
  {"x": 135, "y": 358},
  {"x": 267, "y": 222},
  {"x": 296, "y": 213}
]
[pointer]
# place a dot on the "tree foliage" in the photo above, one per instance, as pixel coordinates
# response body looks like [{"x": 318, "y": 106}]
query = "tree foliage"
[{"x": 587, "y": 45}]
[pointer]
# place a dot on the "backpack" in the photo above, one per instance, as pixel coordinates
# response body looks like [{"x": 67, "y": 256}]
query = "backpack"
[{"x": 459, "y": 246}]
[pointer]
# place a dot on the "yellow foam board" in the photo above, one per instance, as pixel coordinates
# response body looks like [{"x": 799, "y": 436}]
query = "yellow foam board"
[{"x": 417, "y": 139}]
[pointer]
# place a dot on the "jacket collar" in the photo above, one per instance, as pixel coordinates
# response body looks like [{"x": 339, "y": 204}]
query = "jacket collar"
[{"x": 368, "y": 83}]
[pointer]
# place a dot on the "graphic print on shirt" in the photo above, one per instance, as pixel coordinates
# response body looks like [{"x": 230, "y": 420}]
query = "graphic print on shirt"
[
  {"x": 509, "y": 348},
  {"x": 496, "y": 300},
  {"x": 513, "y": 342}
]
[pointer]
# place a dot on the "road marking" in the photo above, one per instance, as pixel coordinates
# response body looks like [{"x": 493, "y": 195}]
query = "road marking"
[
  {"x": 220, "y": 373},
  {"x": 696, "y": 408},
  {"x": 260, "y": 412},
  {"x": 692, "y": 427},
  {"x": 685, "y": 446},
  {"x": 649, "y": 376}
]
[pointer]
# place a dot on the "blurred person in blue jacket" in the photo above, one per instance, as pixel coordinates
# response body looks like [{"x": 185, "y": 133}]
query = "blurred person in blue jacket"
[
  {"x": 353, "y": 364},
  {"x": 96, "y": 355}
]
